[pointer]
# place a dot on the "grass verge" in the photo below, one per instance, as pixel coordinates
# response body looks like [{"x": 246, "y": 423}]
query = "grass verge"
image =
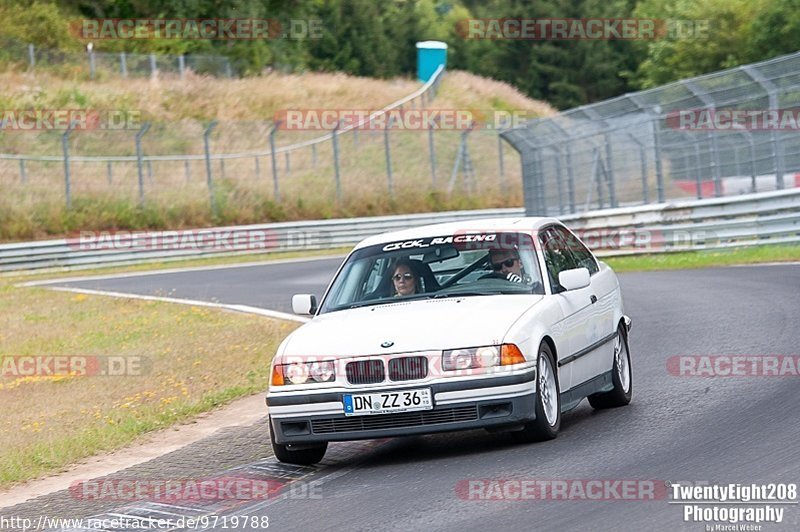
[
  {"x": 706, "y": 259},
  {"x": 193, "y": 359}
]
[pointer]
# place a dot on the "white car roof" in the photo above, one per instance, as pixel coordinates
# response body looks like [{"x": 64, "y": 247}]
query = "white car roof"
[{"x": 524, "y": 224}]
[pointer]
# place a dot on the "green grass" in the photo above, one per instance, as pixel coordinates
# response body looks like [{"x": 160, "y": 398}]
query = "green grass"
[
  {"x": 706, "y": 259},
  {"x": 195, "y": 358}
]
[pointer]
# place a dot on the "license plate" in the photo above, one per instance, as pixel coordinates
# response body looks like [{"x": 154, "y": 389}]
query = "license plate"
[{"x": 387, "y": 402}]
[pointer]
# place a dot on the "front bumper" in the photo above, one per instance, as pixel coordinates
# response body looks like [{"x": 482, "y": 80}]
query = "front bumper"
[{"x": 464, "y": 405}]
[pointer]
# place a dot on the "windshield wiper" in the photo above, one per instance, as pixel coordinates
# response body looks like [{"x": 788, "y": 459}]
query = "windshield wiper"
[
  {"x": 387, "y": 301},
  {"x": 367, "y": 303},
  {"x": 460, "y": 294}
]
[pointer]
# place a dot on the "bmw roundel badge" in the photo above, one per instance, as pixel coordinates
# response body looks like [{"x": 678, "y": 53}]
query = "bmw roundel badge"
[{"x": 387, "y": 343}]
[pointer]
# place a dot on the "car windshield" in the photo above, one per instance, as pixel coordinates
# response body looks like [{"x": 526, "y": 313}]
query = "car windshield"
[{"x": 464, "y": 264}]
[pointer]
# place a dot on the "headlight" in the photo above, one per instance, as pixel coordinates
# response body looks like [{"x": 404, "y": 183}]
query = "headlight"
[
  {"x": 297, "y": 373},
  {"x": 304, "y": 372},
  {"x": 322, "y": 371},
  {"x": 481, "y": 357}
]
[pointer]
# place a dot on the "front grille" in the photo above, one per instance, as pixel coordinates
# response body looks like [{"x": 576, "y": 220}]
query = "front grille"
[
  {"x": 408, "y": 368},
  {"x": 394, "y": 421},
  {"x": 365, "y": 372}
]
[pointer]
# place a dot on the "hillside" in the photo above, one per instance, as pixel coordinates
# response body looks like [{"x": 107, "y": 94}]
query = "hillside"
[{"x": 175, "y": 193}]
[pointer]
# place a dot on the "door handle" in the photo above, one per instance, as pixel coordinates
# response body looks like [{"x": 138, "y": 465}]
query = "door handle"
[{"x": 593, "y": 298}]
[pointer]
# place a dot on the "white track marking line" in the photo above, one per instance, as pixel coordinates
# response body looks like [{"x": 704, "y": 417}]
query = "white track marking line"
[
  {"x": 174, "y": 270},
  {"x": 237, "y": 308}
]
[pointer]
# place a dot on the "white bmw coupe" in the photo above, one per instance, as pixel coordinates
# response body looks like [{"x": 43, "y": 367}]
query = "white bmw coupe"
[{"x": 501, "y": 324}]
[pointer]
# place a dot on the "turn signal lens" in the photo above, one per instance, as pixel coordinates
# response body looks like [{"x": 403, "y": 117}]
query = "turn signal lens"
[
  {"x": 510, "y": 354},
  {"x": 277, "y": 376}
]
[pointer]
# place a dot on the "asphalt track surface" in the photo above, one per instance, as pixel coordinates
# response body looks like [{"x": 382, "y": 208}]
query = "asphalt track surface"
[{"x": 679, "y": 429}]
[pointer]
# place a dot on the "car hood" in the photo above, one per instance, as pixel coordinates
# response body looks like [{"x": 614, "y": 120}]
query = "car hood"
[{"x": 431, "y": 324}]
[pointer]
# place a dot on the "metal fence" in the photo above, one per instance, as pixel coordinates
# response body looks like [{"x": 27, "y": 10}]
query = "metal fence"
[
  {"x": 102, "y": 64},
  {"x": 657, "y": 145},
  {"x": 225, "y": 161},
  {"x": 715, "y": 223}
]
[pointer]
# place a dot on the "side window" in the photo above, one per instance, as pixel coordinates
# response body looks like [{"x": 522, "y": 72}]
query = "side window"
[
  {"x": 557, "y": 257},
  {"x": 583, "y": 257},
  {"x": 375, "y": 279}
]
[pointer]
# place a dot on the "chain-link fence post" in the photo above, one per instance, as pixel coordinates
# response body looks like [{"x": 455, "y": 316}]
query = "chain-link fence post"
[
  {"x": 123, "y": 64},
  {"x": 109, "y": 174},
  {"x": 91, "y": 64},
  {"x": 387, "y": 150},
  {"x": 67, "y": 176},
  {"x": 609, "y": 168},
  {"x": 752, "y": 147},
  {"x": 274, "y": 160},
  {"x": 500, "y": 156},
  {"x": 209, "y": 178},
  {"x": 697, "y": 177},
  {"x": 22, "y": 177},
  {"x": 337, "y": 177},
  {"x": 186, "y": 171},
  {"x": 31, "y": 57},
  {"x": 643, "y": 167},
  {"x": 432, "y": 153},
  {"x": 657, "y": 156},
  {"x": 559, "y": 182},
  {"x": 139, "y": 170},
  {"x": 182, "y": 66},
  {"x": 153, "y": 68}
]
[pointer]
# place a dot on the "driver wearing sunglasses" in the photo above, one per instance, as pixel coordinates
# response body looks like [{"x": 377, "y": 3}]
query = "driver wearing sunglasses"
[{"x": 507, "y": 265}]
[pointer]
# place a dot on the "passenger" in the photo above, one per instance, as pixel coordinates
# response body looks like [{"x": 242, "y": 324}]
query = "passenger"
[{"x": 406, "y": 281}]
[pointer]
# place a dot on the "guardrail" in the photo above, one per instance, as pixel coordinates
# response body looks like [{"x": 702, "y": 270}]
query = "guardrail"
[{"x": 764, "y": 218}]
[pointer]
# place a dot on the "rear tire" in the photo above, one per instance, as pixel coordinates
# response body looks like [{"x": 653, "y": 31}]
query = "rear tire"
[
  {"x": 308, "y": 455},
  {"x": 621, "y": 375},
  {"x": 548, "y": 401}
]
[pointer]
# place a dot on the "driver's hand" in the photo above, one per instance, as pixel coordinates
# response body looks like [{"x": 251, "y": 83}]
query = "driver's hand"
[{"x": 513, "y": 277}]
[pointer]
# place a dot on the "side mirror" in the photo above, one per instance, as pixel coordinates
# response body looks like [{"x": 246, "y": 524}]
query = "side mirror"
[
  {"x": 304, "y": 304},
  {"x": 574, "y": 279}
]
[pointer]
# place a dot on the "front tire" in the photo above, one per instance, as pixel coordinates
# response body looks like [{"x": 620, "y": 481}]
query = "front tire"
[
  {"x": 621, "y": 375},
  {"x": 308, "y": 455},
  {"x": 548, "y": 401}
]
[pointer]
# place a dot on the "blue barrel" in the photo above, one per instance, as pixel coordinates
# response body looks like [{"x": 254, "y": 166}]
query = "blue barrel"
[{"x": 430, "y": 56}]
